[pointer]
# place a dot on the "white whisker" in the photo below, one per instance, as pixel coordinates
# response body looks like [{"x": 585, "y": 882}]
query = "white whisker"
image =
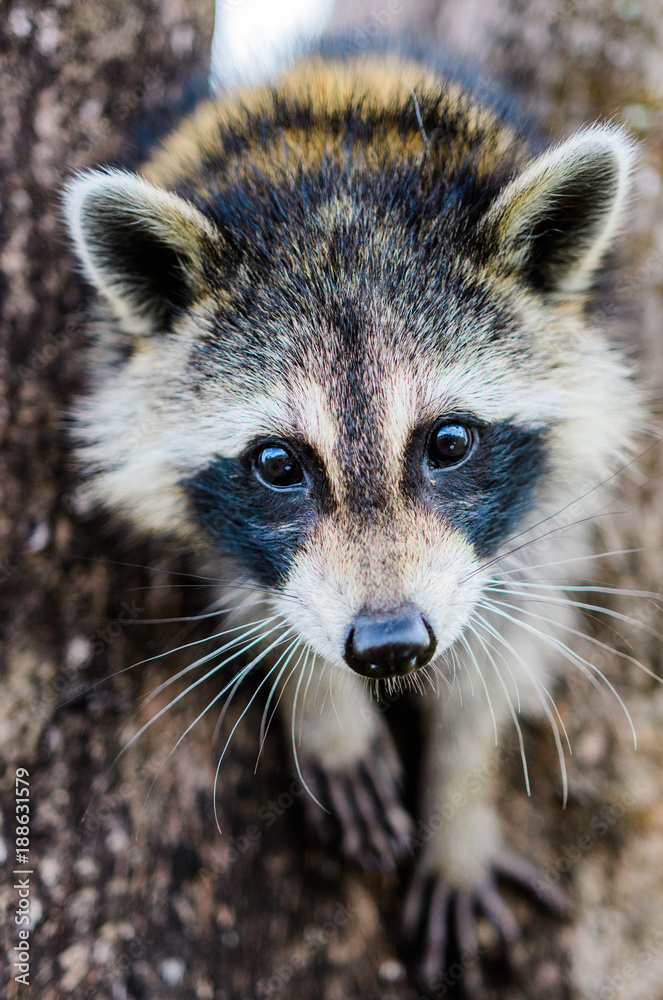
[
  {"x": 468, "y": 647},
  {"x": 204, "y": 659},
  {"x": 161, "y": 713},
  {"x": 431, "y": 683},
  {"x": 583, "y": 496},
  {"x": 582, "y": 606},
  {"x": 243, "y": 673},
  {"x": 544, "y": 697},
  {"x": 241, "y": 677},
  {"x": 305, "y": 694},
  {"x": 512, "y": 711},
  {"x": 331, "y": 696},
  {"x": 294, "y": 742},
  {"x": 581, "y": 635},
  {"x": 439, "y": 674},
  {"x": 530, "y": 542},
  {"x": 150, "y": 659},
  {"x": 589, "y": 557},
  {"x": 575, "y": 588},
  {"x": 583, "y": 665},
  {"x": 264, "y": 725}
]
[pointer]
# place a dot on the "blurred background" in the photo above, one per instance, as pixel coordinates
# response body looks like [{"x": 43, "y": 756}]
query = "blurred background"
[{"x": 142, "y": 898}]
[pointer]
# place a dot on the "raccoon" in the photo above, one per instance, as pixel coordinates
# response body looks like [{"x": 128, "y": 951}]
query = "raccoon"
[{"x": 343, "y": 348}]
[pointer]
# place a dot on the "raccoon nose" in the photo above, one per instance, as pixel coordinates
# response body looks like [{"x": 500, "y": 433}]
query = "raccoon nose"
[{"x": 389, "y": 643}]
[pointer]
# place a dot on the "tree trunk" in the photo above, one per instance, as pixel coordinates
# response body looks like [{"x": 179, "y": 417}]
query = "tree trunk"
[{"x": 134, "y": 892}]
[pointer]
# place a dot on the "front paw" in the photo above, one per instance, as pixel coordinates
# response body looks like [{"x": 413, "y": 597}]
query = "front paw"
[
  {"x": 439, "y": 920},
  {"x": 362, "y": 807}
]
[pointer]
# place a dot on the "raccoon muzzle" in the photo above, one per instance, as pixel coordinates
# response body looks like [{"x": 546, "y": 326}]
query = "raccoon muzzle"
[{"x": 389, "y": 643}]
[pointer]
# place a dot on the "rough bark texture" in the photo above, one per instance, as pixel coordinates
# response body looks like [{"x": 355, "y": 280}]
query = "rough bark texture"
[{"x": 141, "y": 897}]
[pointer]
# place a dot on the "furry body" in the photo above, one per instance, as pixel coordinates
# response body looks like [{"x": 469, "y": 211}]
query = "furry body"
[{"x": 341, "y": 267}]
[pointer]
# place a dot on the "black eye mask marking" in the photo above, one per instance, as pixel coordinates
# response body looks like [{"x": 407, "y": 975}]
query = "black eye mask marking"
[
  {"x": 262, "y": 528},
  {"x": 487, "y": 495}
]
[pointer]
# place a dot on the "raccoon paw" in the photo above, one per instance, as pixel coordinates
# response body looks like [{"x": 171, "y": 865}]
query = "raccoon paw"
[
  {"x": 362, "y": 806},
  {"x": 439, "y": 920}
]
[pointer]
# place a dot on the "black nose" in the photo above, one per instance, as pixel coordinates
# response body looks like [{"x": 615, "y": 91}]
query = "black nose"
[{"x": 389, "y": 643}]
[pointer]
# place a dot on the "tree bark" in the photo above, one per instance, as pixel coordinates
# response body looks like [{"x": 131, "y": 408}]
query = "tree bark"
[{"x": 134, "y": 891}]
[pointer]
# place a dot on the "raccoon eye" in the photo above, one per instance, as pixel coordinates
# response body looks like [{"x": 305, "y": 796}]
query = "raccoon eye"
[
  {"x": 276, "y": 467},
  {"x": 449, "y": 444}
]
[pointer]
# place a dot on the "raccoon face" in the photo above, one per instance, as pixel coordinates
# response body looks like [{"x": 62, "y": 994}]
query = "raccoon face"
[{"x": 354, "y": 388}]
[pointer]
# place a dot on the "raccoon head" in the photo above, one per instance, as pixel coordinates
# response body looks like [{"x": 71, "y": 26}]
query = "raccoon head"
[{"x": 355, "y": 384}]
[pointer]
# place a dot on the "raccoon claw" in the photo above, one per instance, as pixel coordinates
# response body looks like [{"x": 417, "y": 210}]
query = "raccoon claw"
[
  {"x": 525, "y": 875},
  {"x": 363, "y": 807},
  {"x": 437, "y": 914},
  {"x": 444, "y": 918}
]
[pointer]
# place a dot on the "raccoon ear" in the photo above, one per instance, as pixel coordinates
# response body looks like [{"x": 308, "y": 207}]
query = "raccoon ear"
[
  {"x": 555, "y": 221},
  {"x": 144, "y": 249}
]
